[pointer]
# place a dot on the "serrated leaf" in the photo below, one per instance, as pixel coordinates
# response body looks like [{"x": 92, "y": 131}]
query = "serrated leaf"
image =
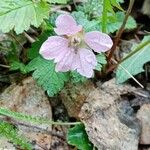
[
  {"x": 46, "y": 76},
  {"x": 20, "y": 14},
  {"x": 134, "y": 63},
  {"x": 81, "y": 19},
  {"x": 77, "y": 137},
  {"x": 76, "y": 77},
  {"x": 91, "y": 8},
  {"x": 101, "y": 60},
  {"x": 115, "y": 22}
]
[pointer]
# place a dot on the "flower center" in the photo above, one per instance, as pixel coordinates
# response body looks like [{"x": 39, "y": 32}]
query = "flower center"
[{"x": 75, "y": 41}]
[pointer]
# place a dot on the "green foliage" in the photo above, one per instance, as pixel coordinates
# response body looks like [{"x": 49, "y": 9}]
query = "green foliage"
[
  {"x": 108, "y": 8},
  {"x": 23, "y": 117},
  {"x": 134, "y": 62},
  {"x": 114, "y": 22},
  {"x": 76, "y": 77},
  {"x": 77, "y": 137},
  {"x": 33, "y": 52},
  {"x": 8, "y": 131},
  {"x": 16, "y": 65},
  {"x": 20, "y": 14},
  {"x": 82, "y": 19},
  {"x": 28, "y": 118},
  {"x": 46, "y": 76},
  {"x": 91, "y": 8},
  {"x": 101, "y": 60}
]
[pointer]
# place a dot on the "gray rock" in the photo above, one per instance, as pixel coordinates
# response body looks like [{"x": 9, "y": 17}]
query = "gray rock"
[
  {"x": 144, "y": 116},
  {"x": 110, "y": 122}
]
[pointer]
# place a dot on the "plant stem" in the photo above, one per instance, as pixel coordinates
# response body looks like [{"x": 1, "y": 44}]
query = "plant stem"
[
  {"x": 104, "y": 16},
  {"x": 27, "y": 118},
  {"x": 119, "y": 33}
]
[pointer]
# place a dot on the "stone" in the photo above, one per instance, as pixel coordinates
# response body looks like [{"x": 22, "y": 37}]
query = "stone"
[
  {"x": 28, "y": 98},
  {"x": 109, "y": 121},
  {"x": 73, "y": 96},
  {"x": 143, "y": 115}
]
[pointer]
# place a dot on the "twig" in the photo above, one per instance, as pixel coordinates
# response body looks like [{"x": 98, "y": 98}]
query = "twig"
[
  {"x": 4, "y": 66},
  {"x": 12, "y": 36},
  {"x": 29, "y": 38},
  {"x": 119, "y": 33},
  {"x": 128, "y": 73}
]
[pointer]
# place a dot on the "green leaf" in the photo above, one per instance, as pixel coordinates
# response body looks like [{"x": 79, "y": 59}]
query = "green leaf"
[
  {"x": 92, "y": 8},
  {"x": 46, "y": 76},
  {"x": 82, "y": 19},
  {"x": 76, "y": 77},
  {"x": 20, "y": 14},
  {"x": 101, "y": 60},
  {"x": 134, "y": 62},
  {"x": 16, "y": 65},
  {"x": 77, "y": 137},
  {"x": 8, "y": 131},
  {"x": 115, "y": 22}
]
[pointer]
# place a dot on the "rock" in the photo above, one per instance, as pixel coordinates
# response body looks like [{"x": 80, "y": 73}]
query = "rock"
[
  {"x": 109, "y": 121},
  {"x": 30, "y": 99},
  {"x": 146, "y": 7},
  {"x": 144, "y": 116},
  {"x": 74, "y": 95}
]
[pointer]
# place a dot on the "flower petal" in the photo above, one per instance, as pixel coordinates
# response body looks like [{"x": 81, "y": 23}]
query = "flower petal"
[
  {"x": 84, "y": 62},
  {"x": 99, "y": 42},
  {"x": 66, "y": 61},
  {"x": 54, "y": 47},
  {"x": 66, "y": 25}
]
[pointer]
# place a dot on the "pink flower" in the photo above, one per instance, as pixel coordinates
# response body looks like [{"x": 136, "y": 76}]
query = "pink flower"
[{"x": 72, "y": 49}]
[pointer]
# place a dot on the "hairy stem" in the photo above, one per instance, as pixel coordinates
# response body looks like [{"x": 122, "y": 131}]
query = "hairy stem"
[
  {"x": 27, "y": 118},
  {"x": 119, "y": 33}
]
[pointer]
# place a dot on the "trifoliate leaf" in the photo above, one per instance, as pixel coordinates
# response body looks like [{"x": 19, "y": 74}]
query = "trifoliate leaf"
[
  {"x": 76, "y": 77},
  {"x": 46, "y": 76},
  {"x": 77, "y": 137},
  {"x": 81, "y": 19},
  {"x": 134, "y": 62},
  {"x": 20, "y": 14},
  {"x": 115, "y": 22},
  {"x": 101, "y": 60}
]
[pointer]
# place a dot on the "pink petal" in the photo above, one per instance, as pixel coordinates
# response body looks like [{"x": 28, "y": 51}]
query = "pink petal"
[
  {"x": 85, "y": 62},
  {"x": 66, "y": 25},
  {"x": 99, "y": 42},
  {"x": 66, "y": 61},
  {"x": 54, "y": 47}
]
